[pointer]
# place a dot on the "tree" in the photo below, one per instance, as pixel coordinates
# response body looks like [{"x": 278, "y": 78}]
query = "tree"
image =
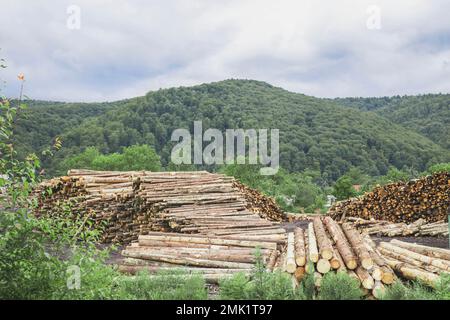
[
  {"x": 138, "y": 157},
  {"x": 343, "y": 188}
]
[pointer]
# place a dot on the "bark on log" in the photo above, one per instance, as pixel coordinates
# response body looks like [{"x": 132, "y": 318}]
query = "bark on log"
[
  {"x": 341, "y": 243},
  {"x": 323, "y": 242},
  {"x": 290, "y": 254},
  {"x": 300, "y": 255},
  {"x": 355, "y": 239},
  {"x": 428, "y": 251},
  {"x": 312, "y": 244}
]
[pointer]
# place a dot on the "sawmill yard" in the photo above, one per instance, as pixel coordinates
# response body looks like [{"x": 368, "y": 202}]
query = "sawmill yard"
[{"x": 210, "y": 226}]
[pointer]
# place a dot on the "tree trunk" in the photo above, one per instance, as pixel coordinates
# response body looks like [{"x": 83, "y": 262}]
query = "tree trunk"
[
  {"x": 341, "y": 243},
  {"x": 323, "y": 242}
]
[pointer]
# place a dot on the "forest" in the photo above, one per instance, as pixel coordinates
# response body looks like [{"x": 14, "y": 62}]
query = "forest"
[{"x": 324, "y": 143}]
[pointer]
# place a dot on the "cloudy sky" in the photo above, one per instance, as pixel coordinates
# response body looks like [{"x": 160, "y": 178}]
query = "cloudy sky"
[{"x": 127, "y": 48}]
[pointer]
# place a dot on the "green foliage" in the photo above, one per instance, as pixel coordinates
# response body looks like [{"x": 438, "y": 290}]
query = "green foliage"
[
  {"x": 292, "y": 191},
  {"x": 260, "y": 285},
  {"x": 427, "y": 114},
  {"x": 413, "y": 291},
  {"x": 138, "y": 157},
  {"x": 315, "y": 134},
  {"x": 343, "y": 188},
  {"x": 167, "y": 285},
  {"x": 440, "y": 167},
  {"x": 339, "y": 286}
]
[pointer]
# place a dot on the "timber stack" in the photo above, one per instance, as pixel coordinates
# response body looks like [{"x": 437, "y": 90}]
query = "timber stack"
[
  {"x": 427, "y": 198},
  {"x": 128, "y": 204},
  {"x": 419, "y": 228},
  {"x": 326, "y": 246},
  {"x": 214, "y": 257},
  {"x": 415, "y": 262}
]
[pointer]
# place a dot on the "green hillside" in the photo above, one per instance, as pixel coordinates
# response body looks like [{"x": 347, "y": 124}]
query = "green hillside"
[
  {"x": 427, "y": 114},
  {"x": 316, "y": 134}
]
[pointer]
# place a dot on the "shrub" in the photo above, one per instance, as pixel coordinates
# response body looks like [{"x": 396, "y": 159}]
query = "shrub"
[
  {"x": 339, "y": 286},
  {"x": 168, "y": 285},
  {"x": 260, "y": 285},
  {"x": 408, "y": 291}
]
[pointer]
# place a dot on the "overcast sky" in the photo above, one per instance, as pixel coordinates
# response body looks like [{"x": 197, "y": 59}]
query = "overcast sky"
[{"x": 127, "y": 48}]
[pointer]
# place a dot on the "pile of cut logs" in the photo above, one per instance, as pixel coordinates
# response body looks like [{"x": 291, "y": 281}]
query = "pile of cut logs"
[
  {"x": 427, "y": 198},
  {"x": 326, "y": 246},
  {"x": 129, "y": 204},
  {"x": 418, "y": 228},
  {"x": 415, "y": 262},
  {"x": 214, "y": 257}
]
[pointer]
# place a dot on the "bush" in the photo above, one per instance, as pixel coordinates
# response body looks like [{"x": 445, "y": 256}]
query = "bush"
[
  {"x": 408, "y": 291},
  {"x": 168, "y": 285},
  {"x": 339, "y": 286},
  {"x": 260, "y": 285}
]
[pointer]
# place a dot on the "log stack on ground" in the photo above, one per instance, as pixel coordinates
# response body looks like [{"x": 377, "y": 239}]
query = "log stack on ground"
[
  {"x": 415, "y": 262},
  {"x": 129, "y": 204},
  {"x": 418, "y": 228},
  {"x": 427, "y": 198},
  {"x": 325, "y": 247},
  {"x": 214, "y": 257}
]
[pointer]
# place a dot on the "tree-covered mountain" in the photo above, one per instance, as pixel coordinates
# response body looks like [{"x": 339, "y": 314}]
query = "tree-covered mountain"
[
  {"x": 427, "y": 114},
  {"x": 315, "y": 134}
]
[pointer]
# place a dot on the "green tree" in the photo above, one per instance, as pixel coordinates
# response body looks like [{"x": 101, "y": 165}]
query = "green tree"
[{"x": 343, "y": 188}]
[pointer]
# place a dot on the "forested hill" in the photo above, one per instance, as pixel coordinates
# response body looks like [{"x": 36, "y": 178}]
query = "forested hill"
[
  {"x": 427, "y": 114},
  {"x": 316, "y": 134}
]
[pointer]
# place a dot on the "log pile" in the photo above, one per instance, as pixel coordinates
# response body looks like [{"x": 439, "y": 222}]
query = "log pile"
[
  {"x": 427, "y": 198},
  {"x": 415, "y": 262},
  {"x": 214, "y": 257},
  {"x": 264, "y": 206},
  {"x": 129, "y": 204},
  {"x": 418, "y": 228},
  {"x": 325, "y": 246}
]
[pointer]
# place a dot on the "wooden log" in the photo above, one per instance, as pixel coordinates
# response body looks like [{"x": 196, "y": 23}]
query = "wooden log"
[
  {"x": 300, "y": 255},
  {"x": 312, "y": 244},
  {"x": 387, "y": 254},
  {"x": 378, "y": 290},
  {"x": 337, "y": 262},
  {"x": 272, "y": 260},
  {"x": 413, "y": 273},
  {"x": 323, "y": 266},
  {"x": 438, "y": 253},
  {"x": 342, "y": 244},
  {"x": 365, "y": 278},
  {"x": 323, "y": 242},
  {"x": 355, "y": 239},
  {"x": 438, "y": 263},
  {"x": 300, "y": 273},
  {"x": 186, "y": 260},
  {"x": 290, "y": 254},
  {"x": 207, "y": 240}
]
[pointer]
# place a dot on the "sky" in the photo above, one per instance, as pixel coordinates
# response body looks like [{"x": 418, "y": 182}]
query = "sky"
[{"x": 105, "y": 50}]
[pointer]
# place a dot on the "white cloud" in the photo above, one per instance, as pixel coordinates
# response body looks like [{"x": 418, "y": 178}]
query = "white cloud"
[{"x": 322, "y": 48}]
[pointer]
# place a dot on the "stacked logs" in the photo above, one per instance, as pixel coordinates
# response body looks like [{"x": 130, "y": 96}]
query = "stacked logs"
[
  {"x": 427, "y": 198},
  {"x": 214, "y": 257},
  {"x": 418, "y": 228},
  {"x": 264, "y": 206},
  {"x": 325, "y": 247},
  {"x": 102, "y": 200},
  {"x": 416, "y": 262},
  {"x": 128, "y": 204}
]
